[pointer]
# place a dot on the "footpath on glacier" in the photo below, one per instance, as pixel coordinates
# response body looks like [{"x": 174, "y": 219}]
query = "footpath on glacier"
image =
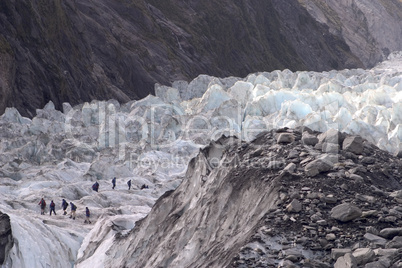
[{"x": 59, "y": 155}]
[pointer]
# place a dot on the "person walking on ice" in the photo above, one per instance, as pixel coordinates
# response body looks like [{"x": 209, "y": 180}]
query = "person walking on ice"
[
  {"x": 73, "y": 210},
  {"x": 42, "y": 204},
  {"x": 95, "y": 186},
  {"x": 129, "y": 184},
  {"x": 52, "y": 207},
  {"x": 114, "y": 182},
  {"x": 87, "y": 214},
  {"x": 64, "y": 205}
]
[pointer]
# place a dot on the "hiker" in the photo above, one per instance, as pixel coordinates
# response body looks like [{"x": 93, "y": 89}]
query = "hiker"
[
  {"x": 64, "y": 205},
  {"x": 87, "y": 214},
  {"x": 73, "y": 210},
  {"x": 95, "y": 186},
  {"x": 144, "y": 186},
  {"x": 114, "y": 182},
  {"x": 129, "y": 184},
  {"x": 42, "y": 204},
  {"x": 52, "y": 207}
]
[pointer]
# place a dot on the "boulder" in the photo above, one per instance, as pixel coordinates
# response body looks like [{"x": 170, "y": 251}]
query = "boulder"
[
  {"x": 345, "y": 212},
  {"x": 387, "y": 252},
  {"x": 309, "y": 139},
  {"x": 382, "y": 263},
  {"x": 339, "y": 252},
  {"x": 316, "y": 167},
  {"x": 330, "y": 148},
  {"x": 285, "y": 138},
  {"x": 290, "y": 168},
  {"x": 390, "y": 233},
  {"x": 331, "y": 136},
  {"x": 363, "y": 255},
  {"x": 294, "y": 206},
  {"x": 396, "y": 242},
  {"x": 353, "y": 144},
  {"x": 347, "y": 261},
  {"x": 375, "y": 240}
]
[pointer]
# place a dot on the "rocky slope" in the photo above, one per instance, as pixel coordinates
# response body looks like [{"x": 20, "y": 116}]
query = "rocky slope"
[
  {"x": 76, "y": 51},
  {"x": 290, "y": 198}
]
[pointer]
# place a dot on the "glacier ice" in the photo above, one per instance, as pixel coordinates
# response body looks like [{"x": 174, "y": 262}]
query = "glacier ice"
[{"x": 151, "y": 141}]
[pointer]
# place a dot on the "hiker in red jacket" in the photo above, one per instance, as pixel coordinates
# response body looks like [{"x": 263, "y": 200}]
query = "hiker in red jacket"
[{"x": 42, "y": 204}]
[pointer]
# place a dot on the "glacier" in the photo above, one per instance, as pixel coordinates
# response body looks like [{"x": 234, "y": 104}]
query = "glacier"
[{"x": 59, "y": 155}]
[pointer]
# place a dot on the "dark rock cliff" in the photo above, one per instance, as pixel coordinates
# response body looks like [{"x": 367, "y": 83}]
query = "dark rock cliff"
[
  {"x": 76, "y": 51},
  {"x": 5, "y": 236}
]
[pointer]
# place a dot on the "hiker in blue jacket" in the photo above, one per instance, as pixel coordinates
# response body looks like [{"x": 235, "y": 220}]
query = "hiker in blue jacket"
[
  {"x": 52, "y": 207},
  {"x": 73, "y": 210},
  {"x": 87, "y": 214},
  {"x": 114, "y": 182},
  {"x": 95, "y": 186},
  {"x": 64, "y": 205},
  {"x": 129, "y": 184}
]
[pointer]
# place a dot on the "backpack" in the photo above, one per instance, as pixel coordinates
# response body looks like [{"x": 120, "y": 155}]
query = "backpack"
[{"x": 43, "y": 203}]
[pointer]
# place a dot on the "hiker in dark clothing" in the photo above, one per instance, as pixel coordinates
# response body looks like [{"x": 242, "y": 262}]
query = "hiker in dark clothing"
[
  {"x": 114, "y": 182},
  {"x": 87, "y": 214},
  {"x": 52, "y": 207},
  {"x": 64, "y": 205},
  {"x": 95, "y": 186},
  {"x": 129, "y": 184},
  {"x": 42, "y": 204},
  {"x": 144, "y": 186},
  {"x": 73, "y": 210}
]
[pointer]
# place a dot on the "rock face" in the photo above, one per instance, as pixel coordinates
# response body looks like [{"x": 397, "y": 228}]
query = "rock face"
[
  {"x": 76, "y": 51},
  {"x": 362, "y": 24},
  {"x": 242, "y": 214},
  {"x": 5, "y": 236}
]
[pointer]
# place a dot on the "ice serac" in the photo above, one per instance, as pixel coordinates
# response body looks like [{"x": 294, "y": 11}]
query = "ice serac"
[{"x": 223, "y": 205}]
